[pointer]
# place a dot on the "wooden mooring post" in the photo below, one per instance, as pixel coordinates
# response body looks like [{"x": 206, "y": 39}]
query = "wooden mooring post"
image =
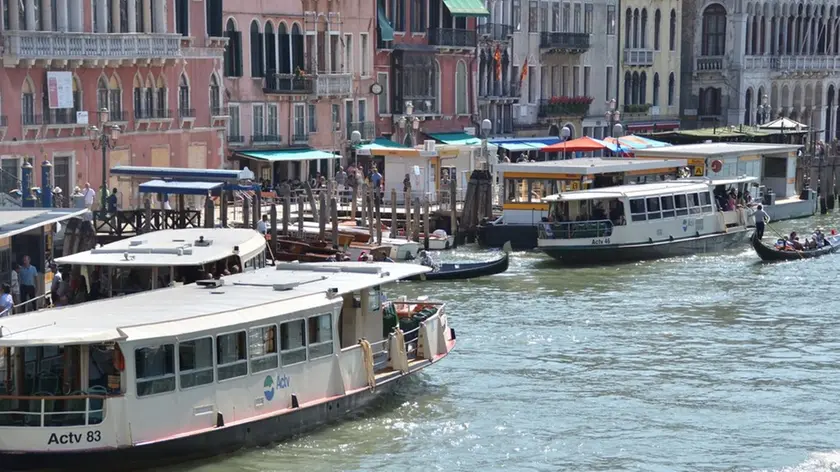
[
  {"x": 272, "y": 215},
  {"x": 301, "y": 234},
  {"x": 286, "y": 190},
  {"x": 393, "y": 213},
  {"x": 453, "y": 211},
  {"x": 322, "y": 217},
  {"x": 209, "y": 212},
  {"x": 334, "y": 221},
  {"x": 426, "y": 223},
  {"x": 246, "y": 212},
  {"x": 407, "y": 224}
]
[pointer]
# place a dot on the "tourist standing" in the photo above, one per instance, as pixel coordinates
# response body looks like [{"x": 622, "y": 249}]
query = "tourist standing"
[
  {"x": 90, "y": 196},
  {"x": 28, "y": 274}
]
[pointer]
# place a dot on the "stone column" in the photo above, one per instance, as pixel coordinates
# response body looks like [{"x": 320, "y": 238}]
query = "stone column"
[
  {"x": 46, "y": 15},
  {"x": 132, "y": 16},
  {"x": 14, "y": 16},
  {"x": 30, "y": 15},
  {"x": 115, "y": 16},
  {"x": 101, "y": 17},
  {"x": 768, "y": 36},
  {"x": 160, "y": 17},
  {"x": 833, "y": 122},
  {"x": 147, "y": 16},
  {"x": 61, "y": 16},
  {"x": 75, "y": 13}
]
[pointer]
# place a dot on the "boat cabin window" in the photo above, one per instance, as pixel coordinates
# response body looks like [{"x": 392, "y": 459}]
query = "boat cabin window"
[
  {"x": 653, "y": 208},
  {"x": 195, "y": 362},
  {"x": 681, "y": 204},
  {"x": 667, "y": 204},
  {"x": 638, "y": 211},
  {"x": 293, "y": 342},
  {"x": 263, "y": 348},
  {"x": 694, "y": 203},
  {"x": 155, "y": 367},
  {"x": 231, "y": 355},
  {"x": 320, "y": 336},
  {"x": 534, "y": 190},
  {"x": 706, "y": 202}
]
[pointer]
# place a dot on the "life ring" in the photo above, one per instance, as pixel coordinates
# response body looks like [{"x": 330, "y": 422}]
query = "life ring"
[
  {"x": 717, "y": 165},
  {"x": 119, "y": 359}
]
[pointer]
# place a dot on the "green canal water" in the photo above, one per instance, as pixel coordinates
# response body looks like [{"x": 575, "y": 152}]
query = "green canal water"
[{"x": 703, "y": 363}]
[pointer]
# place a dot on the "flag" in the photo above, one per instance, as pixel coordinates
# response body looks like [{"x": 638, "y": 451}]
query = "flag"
[
  {"x": 498, "y": 57},
  {"x": 524, "y": 73}
]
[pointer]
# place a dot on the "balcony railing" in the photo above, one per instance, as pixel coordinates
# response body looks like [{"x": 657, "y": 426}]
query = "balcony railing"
[
  {"x": 300, "y": 138},
  {"x": 155, "y": 114},
  {"x": 60, "y": 117},
  {"x": 69, "y": 46},
  {"x": 330, "y": 85},
  {"x": 638, "y": 57},
  {"x": 565, "y": 42},
  {"x": 30, "y": 119},
  {"x": 366, "y": 128},
  {"x": 708, "y": 63},
  {"x": 219, "y": 111},
  {"x": 451, "y": 37},
  {"x": 576, "y": 106},
  {"x": 499, "y": 91},
  {"x": 289, "y": 83},
  {"x": 265, "y": 138},
  {"x": 495, "y": 31},
  {"x": 186, "y": 113}
]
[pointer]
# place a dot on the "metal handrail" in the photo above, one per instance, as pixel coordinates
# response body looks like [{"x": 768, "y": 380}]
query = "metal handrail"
[{"x": 42, "y": 411}]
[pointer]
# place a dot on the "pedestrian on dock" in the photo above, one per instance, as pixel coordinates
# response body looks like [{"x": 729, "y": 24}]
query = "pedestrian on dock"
[
  {"x": 761, "y": 219},
  {"x": 28, "y": 275},
  {"x": 262, "y": 225},
  {"x": 90, "y": 195}
]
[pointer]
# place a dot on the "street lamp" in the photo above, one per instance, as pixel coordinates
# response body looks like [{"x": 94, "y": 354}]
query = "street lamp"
[
  {"x": 409, "y": 123},
  {"x": 612, "y": 115},
  {"x": 104, "y": 139},
  {"x": 486, "y": 126},
  {"x": 565, "y": 133},
  {"x": 355, "y": 140},
  {"x": 764, "y": 109}
]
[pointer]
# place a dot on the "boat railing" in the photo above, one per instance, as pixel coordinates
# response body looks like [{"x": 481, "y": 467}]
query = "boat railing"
[
  {"x": 576, "y": 229},
  {"x": 49, "y": 410}
]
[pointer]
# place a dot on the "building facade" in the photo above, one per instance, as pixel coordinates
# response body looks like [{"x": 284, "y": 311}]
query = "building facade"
[
  {"x": 565, "y": 55},
  {"x": 298, "y": 76},
  {"x": 650, "y": 65},
  {"x": 426, "y": 65},
  {"x": 751, "y": 62},
  {"x": 154, "y": 64},
  {"x": 498, "y": 88}
]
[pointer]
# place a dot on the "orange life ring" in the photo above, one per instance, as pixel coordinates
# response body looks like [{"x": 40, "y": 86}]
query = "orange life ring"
[
  {"x": 717, "y": 165},
  {"x": 119, "y": 359}
]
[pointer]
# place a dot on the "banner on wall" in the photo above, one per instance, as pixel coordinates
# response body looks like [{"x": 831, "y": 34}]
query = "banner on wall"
[{"x": 60, "y": 89}]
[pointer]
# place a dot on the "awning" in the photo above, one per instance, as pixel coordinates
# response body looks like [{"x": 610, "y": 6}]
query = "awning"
[
  {"x": 182, "y": 173},
  {"x": 456, "y": 139},
  {"x": 584, "y": 144},
  {"x": 179, "y": 188},
  {"x": 289, "y": 155},
  {"x": 466, "y": 7},
  {"x": 386, "y": 31},
  {"x": 518, "y": 147},
  {"x": 20, "y": 220},
  {"x": 524, "y": 144},
  {"x": 385, "y": 147}
]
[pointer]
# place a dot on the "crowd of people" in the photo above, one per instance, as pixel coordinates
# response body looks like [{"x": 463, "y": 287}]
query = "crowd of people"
[{"x": 793, "y": 242}]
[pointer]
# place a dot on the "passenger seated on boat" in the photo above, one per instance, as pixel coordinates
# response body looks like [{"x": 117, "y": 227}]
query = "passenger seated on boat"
[{"x": 598, "y": 212}]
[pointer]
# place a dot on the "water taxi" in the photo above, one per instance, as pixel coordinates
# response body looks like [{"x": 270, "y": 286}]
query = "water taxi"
[
  {"x": 196, "y": 370},
  {"x": 647, "y": 221},
  {"x": 156, "y": 259}
]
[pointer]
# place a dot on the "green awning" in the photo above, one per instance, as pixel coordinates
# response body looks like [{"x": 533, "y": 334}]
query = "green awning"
[
  {"x": 287, "y": 155},
  {"x": 456, "y": 139},
  {"x": 466, "y": 7},
  {"x": 386, "y": 31},
  {"x": 380, "y": 143}
]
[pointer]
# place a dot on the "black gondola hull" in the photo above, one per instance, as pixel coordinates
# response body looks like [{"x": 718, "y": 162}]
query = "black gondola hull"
[
  {"x": 770, "y": 254},
  {"x": 466, "y": 271}
]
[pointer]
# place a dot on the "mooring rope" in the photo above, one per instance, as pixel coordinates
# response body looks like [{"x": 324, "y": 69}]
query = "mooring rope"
[
  {"x": 367, "y": 351},
  {"x": 401, "y": 351}
]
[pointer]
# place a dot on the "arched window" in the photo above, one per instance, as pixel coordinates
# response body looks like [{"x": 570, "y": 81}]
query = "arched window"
[
  {"x": 115, "y": 99},
  {"x": 257, "y": 66},
  {"x": 671, "y": 89},
  {"x": 285, "y": 65},
  {"x": 656, "y": 89},
  {"x": 27, "y": 103},
  {"x": 628, "y": 28},
  {"x": 77, "y": 96},
  {"x": 636, "y": 31},
  {"x": 461, "y": 104},
  {"x": 270, "y": 50},
  {"x": 137, "y": 92},
  {"x": 215, "y": 97},
  {"x": 643, "y": 88},
  {"x": 714, "y": 31},
  {"x": 434, "y": 82},
  {"x": 161, "y": 100},
  {"x": 184, "y": 96},
  {"x": 643, "y": 32},
  {"x": 628, "y": 88},
  {"x": 102, "y": 93},
  {"x": 635, "y": 98},
  {"x": 297, "y": 49},
  {"x": 233, "y": 52},
  {"x": 149, "y": 98},
  {"x": 672, "y": 32},
  {"x": 657, "y": 19}
]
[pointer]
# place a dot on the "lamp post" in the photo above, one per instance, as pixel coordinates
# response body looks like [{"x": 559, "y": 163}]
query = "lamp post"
[
  {"x": 104, "y": 139},
  {"x": 565, "y": 133},
  {"x": 764, "y": 109},
  {"x": 409, "y": 123},
  {"x": 612, "y": 115},
  {"x": 355, "y": 140},
  {"x": 486, "y": 126}
]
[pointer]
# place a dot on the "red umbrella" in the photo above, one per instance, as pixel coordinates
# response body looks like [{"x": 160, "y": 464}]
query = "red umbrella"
[{"x": 584, "y": 144}]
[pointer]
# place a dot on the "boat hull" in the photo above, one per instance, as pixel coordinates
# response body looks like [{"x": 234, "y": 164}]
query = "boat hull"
[
  {"x": 638, "y": 252},
  {"x": 521, "y": 237},
  {"x": 770, "y": 254},
  {"x": 218, "y": 441},
  {"x": 467, "y": 271}
]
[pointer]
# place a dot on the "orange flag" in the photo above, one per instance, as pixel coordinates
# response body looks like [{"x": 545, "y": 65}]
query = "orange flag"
[
  {"x": 524, "y": 73},
  {"x": 498, "y": 57}
]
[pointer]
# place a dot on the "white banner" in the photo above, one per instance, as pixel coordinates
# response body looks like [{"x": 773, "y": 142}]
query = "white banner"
[{"x": 60, "y": 88}]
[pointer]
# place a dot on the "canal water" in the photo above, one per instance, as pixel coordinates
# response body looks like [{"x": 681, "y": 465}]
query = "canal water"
[{"x": 704, "y": 363}]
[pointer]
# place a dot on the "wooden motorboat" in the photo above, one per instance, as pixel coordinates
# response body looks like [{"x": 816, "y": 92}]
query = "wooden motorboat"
[
  {"x": 438, "y": 241},
  {"x": 767, "y": 253}
]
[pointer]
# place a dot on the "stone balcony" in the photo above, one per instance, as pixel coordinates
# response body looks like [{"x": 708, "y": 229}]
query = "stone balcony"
[
  {"x": 793, "y": 63},
  {"x": 333, "y": 85},
  {"x": 638, "y": 57},
  {"x": 93, "y": 49},
  {"x": 564, "y": 43},
  {"x": 708, "y": 63}
]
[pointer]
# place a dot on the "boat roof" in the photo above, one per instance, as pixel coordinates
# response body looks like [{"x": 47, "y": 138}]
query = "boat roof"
[
  {"x": 241, "y": 299},
  {"x": 20, "y": 220},
  {"x": 631, "y": 191},
  {"x": 716, "y": 150},
  {"x": 590, "y": 165},
  {"x": 172, "y": 248}
]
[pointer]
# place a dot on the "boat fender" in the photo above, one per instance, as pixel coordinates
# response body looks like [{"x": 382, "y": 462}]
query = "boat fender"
[
  {"x": 119, "y": 359},
  {"x": 650, "y": 240},
  {"x": 295, "y": 403},
  {"x": 220, "y": 420},
  {"x": 697, "y": 234},
  {"x": 452, "y": 333}
]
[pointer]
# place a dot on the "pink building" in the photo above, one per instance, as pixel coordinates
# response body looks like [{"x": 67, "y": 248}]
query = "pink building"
[
  {"x": 298, "y": 80},
  {"x": 155, "y": 64},
  {"x": 425, "y": 57}
]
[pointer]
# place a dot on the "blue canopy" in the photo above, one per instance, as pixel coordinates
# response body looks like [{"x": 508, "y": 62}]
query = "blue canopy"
[{"x": 180, "y": 188}]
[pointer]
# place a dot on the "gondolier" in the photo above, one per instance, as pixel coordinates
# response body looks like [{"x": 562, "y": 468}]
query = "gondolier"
[{"x": 761, "y": 219}]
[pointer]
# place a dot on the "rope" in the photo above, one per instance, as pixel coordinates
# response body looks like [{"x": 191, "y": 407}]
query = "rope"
[
  {"x": 401, "y": 351},
  {"x": 367, "y": 351}
]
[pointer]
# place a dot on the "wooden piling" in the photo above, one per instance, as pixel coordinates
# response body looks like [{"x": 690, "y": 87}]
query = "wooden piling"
[
  {"x": 257, "y": 208},
  {"x": 301, "y": 234},
  {"x": 223, "y": 207},
  {"x": 377, "y": 205},
  {"x": 310, "y": 197},
  {"x": 322, "y": 217},
  {"x": 287, "y": 213},
  {"x": 334, "y": 221},
  {"x": 426, "y": 223},
  {"x": 408, "y": 230},
  {"x": 370, "y": 218},
  {"x": 272, "y": 216},
  {"x": 147, "y": 222},
  {"x": 246, "y": 212},
  {"x": 353, "y": 200},
  {"x": 209, "y": 210},
  {"x": 415, "y": 225},
  {"x": 453, "y": 211},
  {"x": 393, "y": 213},
  {"x": 182, "y": 211}
]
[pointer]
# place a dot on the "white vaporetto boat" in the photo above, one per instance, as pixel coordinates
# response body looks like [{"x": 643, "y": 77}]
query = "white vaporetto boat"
[
  {"x": 197, "y": 370},
  {"x": 646, "y": 221}
]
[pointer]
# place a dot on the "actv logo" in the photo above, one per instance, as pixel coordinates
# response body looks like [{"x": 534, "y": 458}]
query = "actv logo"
[{"x": 269, "y": 385}]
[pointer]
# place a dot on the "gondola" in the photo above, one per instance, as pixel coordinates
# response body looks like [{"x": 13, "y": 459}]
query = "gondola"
[
  {"x": 767, "y": 253},
  {"x": 470, "y": 270}
]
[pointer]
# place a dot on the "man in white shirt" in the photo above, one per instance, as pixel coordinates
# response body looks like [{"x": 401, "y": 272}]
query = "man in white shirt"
[
  {"x": 56, "y": 285},
  {"x": 15, "y": 285},
  {"x": 89, "y": 194},
  {"x": 262, "y": 225},
  {"x": 6, "y": 302}
]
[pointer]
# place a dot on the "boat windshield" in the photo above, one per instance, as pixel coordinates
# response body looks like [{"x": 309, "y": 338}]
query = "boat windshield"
[
  {"x": 58, "y": 385},
  {"x": 592, "y": 218}
]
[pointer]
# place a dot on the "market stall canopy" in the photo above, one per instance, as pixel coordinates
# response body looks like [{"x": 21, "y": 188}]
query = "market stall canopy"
[
  {"x": 525, "y": 144},
  {"x": 466, "y": 8},
  {"x": 456, "y": 139},
  {"x": 288, "y": 155},
  {"x": 584, "y": 144},
  {"x": 180, "y": 188},
  {"x": 631, "y": 142},
  {"x": 784, "y": 124},
  {"x": 385, "y": 147}
]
